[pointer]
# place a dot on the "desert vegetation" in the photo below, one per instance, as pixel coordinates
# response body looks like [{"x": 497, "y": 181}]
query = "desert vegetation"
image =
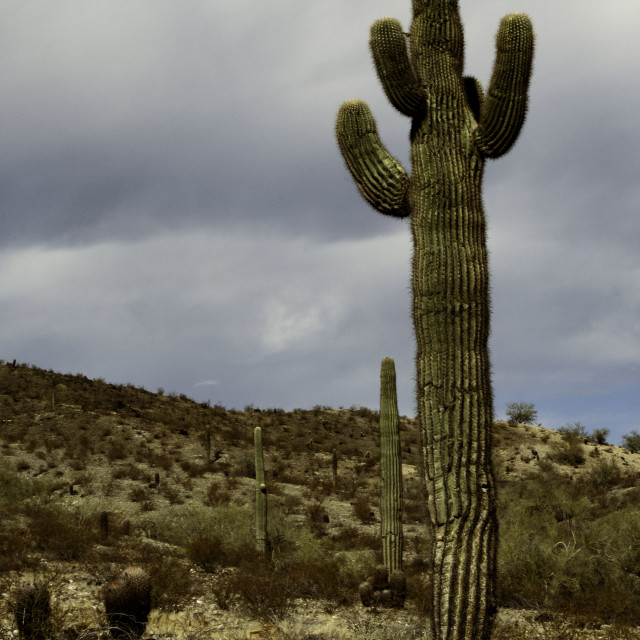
[{"x": 112, "y": 476}]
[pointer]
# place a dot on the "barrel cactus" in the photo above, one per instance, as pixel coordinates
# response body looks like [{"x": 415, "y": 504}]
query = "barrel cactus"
[
  {"x": 383, "y": 588},
  {"x": 455, "y": 127},
  {"x": 390, "y": 469},
  {"x": 127, "y": 603}
]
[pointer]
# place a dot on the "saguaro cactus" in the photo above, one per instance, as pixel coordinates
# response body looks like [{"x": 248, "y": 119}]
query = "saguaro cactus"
[
  {"x": 261, "y": 495},
  {"x": 390, "y": 469},
  {"x": 455, "y": 127}
]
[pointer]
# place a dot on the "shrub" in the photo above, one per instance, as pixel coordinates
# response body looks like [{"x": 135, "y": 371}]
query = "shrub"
[
  {"x": 351, "y": 538},
  {"x": 317, "y": 518},
  {"x": 232, "y": 524},
  {"x": 599, "y": 436},
  {"x": 362, "y": 509},
  {"x": 194, "y": 469},
  {"x": 570, "y": 450},
  {"x": 631, "y": 441},
  {"x": 521, "y": 412},
  {"x": 572, "y": 432},
  {"x": 206, "y": 552},
  {"x": 263, "y": 594},
  {"x": 604, "y": 475},
  {"x": 139, "y": 494},
  {"x": 65, "y": 536},
  {"x": 171, "y": 580},
  {"x": 216, "y": 494},
  {"x": 14, "y": 550},
  {"x": 116, "y": 450},
  {"x": 32, "y": 611}
]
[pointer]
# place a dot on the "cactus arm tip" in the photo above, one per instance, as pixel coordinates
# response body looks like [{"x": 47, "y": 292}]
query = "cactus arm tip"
[
  {"x": 397, "y": 76},
  {"x": 505, "y": 105}
]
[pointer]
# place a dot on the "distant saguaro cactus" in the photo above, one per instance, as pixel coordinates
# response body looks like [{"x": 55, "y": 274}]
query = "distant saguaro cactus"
[
  {"x": 455, "y": 128},
  {"x": 127, "y": 603},
  {"x": 262, "y": 542},
  {"x": 103, "y": 524},
  {"x": 390, "y": 469},
  {"x": 207, "y": 443},
  {"x": 32, "y": 611}
]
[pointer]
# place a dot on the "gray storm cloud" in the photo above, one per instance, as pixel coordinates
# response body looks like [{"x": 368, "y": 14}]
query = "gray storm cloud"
[{"x": 175, "y": 212}]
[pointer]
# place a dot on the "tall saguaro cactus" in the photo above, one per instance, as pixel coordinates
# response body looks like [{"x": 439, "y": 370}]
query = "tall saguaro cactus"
[
  {"x": 261, "y": 495},
  {"x": 455, "y": 128},
  {"x": 390, "y": 469}
]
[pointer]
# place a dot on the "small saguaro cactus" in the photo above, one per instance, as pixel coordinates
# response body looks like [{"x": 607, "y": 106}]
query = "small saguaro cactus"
[
  {"x": 390, "y": 469},
  {"x": 127, "y": 603},
  {"x": 207, "y": 444},
  {"x": 262, "y": 543},
  {"x": 103, "y": 524},
  {"x": 334, "y": 468},
  {"x": 455, "y": 128}
]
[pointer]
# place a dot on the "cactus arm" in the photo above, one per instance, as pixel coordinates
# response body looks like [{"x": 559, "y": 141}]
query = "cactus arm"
[
  {"x": 398, "y": 79},
  {"x": 505, "y": 106},
  {"x": 380, "y": 178}
]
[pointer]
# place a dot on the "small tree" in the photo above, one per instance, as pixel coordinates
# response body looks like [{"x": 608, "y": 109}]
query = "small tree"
[
  {"x": 631, "y": 441},
  {"x": 521, "y": 412},
  {"x": 599, "y": 436}
]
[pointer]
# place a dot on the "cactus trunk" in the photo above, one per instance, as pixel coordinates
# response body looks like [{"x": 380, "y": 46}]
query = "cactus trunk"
[
  {"x": 390, "y": 469},
  {"x": 261, "y": 495},
  {"x": 455, "y": 128}
]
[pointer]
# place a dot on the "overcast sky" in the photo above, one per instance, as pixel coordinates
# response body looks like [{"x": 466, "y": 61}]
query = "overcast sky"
[{"x": 175, "y": 212}]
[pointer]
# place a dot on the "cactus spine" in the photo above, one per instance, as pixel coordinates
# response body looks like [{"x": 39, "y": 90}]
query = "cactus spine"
[
  {"x": 390, "y": 469},
  {"x": 261, "y": 495},
  {"x": 455, "y": 128}
]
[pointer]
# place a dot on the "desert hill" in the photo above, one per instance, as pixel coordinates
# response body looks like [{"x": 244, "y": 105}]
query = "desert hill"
[{"x": 95, "y": 477}]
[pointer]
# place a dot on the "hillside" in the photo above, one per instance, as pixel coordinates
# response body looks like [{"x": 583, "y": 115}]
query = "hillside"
[{"x": 94, "y": 477}]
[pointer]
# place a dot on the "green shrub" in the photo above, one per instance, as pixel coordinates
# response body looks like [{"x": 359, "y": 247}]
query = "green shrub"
[
  {"x": 570, "y": 450},
  {"x": 558, "y": 552},
  {"x": 572, "y": 432},
  {"x": 17, "y": 492},
  {"x": 521, "y": 412},
  {"x": 631, "y": 441},
  {"x": 604, "y": 475},
  {"x": 179, "y": 524},
  {"x": 63, "y": 535},
  {"x": 599, "y": 436}
]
